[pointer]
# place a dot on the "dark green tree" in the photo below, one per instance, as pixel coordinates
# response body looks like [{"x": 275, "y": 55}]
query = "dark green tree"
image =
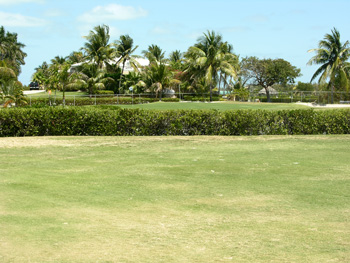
[{"x": 267, "y": 72}]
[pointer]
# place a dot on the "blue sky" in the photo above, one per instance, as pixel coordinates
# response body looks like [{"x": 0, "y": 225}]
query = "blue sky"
[{"x": 266, "y": 29}]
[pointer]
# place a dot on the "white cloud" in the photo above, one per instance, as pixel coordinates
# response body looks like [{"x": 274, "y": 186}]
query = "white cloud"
[
  {"x": 14, "y": 2},
  {"x": 18, "y": 20},
  {"x": 112, "y": 12}
]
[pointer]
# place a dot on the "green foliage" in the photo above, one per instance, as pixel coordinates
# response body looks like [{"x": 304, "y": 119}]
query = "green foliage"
[
  {"x": 105, "y": 92},
  {"x": 267, "y": 72},
  {"x": 98, "y": 100},
  {"x": 200, "y": 98},
  {"x": 126, "y": 122},
  {"x": 11, "y": 51},
  {"x": 302, "y": 86},
  {"x": 333, "y": 57}
]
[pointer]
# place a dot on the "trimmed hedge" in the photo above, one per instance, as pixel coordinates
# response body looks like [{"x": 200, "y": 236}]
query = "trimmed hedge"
[
  {"x": 201, "y": 98},
  {"x": 121, "y": 122}
]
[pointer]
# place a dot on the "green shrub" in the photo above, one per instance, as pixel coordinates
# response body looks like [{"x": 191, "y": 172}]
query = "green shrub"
[
  {"x": 170, "y": 99},
  {"x": 200, "y": 98},
  {"x": 120, "y": 122},
  {"x": 105, "y": 92}
]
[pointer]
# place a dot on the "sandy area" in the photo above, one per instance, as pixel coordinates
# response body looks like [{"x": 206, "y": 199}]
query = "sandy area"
[
  {"x": 313, "y": 105},
  {"x": 26, "y": 92}
]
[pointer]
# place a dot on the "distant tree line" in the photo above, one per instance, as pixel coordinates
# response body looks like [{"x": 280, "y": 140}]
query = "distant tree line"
[{"x": 208, "y": 66}]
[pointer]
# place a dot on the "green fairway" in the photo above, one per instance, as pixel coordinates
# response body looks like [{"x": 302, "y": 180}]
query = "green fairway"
[
  {"x": 175, "y": 199},
  {"x": 58, "y": 94},
  {"x": 215, "y": 106}
]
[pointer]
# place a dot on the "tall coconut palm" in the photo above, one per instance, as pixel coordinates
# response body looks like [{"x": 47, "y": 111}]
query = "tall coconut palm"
[
  {"x": 124, "y": 49},
  {"x": 154, "y": 54},
  {"x": 208, "y": 57},
  {"x": 333, "y": 57},
  {"x": 176, "y": 59},
  {"x": 75, "y": 57},
  {"x": 97, "y": 49},
  {"x": 58, "y": 60}
]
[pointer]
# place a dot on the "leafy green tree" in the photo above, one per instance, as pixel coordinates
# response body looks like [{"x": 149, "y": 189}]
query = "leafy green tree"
[
  {"x": 267, "y": 72},
  {"x": 124, "y": 49},
  {"x": 302, "y": 86},
  {"x": 209, "y": 58},
  {"x": 333, "y": 57},
  {"x": 11, "y": 51}
]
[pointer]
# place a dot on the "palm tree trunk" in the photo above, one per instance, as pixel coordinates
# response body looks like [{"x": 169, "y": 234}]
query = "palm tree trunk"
[
  {"x": 121, "y": 75},
  {"x": 211, "y": 92},
  {"x": 332, "y": 94}
]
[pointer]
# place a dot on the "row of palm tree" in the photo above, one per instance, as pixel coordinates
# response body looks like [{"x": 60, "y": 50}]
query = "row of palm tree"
[
  {"x": 11, "y": 59},
  {"x": 100, "y": 65},
  {"x": 207, "y": 66}
]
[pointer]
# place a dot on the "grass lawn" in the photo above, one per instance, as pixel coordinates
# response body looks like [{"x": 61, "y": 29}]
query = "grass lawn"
[
  {"x": 59, "y": 94},
  {"x": 175, "y": 199},
  {"x": 215, "y": 105}
]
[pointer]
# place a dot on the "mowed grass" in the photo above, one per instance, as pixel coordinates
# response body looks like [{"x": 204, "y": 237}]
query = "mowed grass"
[
  {"x": 214, "y": 106},
  {"x": 58, "y": 94},
  {"x": 175, "y": 199}
]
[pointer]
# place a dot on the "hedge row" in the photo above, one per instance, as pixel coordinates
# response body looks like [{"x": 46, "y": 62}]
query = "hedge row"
[
  {"x": 92, "y": 121},
  {"x": 81, "y": 101},
  {"x": 200, "y": 98}
]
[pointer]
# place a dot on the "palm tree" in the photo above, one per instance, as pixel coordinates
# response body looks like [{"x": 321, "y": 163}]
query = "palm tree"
[
  {"x": 97, "y": 48},
  {"x": 90, "y": 77},
  {"x": 11, "y": 50},
  {"x": 158, "y": 76},
  {"x": 76, "y": 57},
  {"x": 176, "y": 59},
  {"x": 42, "y": 75},
  {"x": 332, "y": 55},
  {"x": 58, "y": 60},
  {"x": 154, "y": 54},
  {"x": 14, "y": 93},
  {"x": 133, "y": 79},
  {"x": 124, "y": 50},
  {"x": 60, "y": 77},
  {"x": 208, "y": 58}
]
